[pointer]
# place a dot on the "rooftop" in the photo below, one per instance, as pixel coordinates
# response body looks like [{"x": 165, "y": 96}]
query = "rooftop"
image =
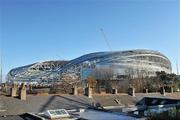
[{"x": 40, "y": 103}]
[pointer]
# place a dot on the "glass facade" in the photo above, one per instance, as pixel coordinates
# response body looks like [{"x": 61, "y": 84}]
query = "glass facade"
[{"x": 133, "y": 62}]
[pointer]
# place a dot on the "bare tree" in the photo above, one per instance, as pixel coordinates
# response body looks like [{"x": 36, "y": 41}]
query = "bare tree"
[
  {"x": 66, "y": 82},
  {"x": 137, "y": 78},
  {"x": 103, "y": 77}
]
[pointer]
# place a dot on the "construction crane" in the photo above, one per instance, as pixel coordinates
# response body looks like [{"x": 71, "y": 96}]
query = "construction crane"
[{"x": 105, "y": 38}]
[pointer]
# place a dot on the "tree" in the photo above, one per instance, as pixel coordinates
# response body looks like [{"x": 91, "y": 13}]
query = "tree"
[
  {"x": 137, "y": 78},
  {"x": 167, "y": 80},
  {"x": 103, "y": 77},
  {"x": 152, "y": 84},
  {"x": 91, "y": 82}
]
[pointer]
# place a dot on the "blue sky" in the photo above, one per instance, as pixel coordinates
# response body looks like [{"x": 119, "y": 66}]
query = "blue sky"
[{"x": 38, "y": 30}]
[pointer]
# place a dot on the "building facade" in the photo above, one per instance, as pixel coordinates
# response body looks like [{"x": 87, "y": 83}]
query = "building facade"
[{"x": 132, "y": 62}]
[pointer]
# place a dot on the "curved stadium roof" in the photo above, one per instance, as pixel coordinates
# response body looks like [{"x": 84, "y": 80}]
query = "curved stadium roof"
[{"x": 148, "y": 60}]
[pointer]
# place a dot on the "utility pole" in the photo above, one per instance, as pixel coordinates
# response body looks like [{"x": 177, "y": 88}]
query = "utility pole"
[
  {"x": 177, "y": 68},
  {"x": 1, "y": 69}
]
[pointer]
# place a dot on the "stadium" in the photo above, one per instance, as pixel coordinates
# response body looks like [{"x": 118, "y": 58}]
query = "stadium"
[{"x": 121, "y": 63}]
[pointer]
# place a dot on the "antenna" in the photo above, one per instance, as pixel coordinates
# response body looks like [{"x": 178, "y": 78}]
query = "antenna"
[{"x": 105, "y": 38}]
